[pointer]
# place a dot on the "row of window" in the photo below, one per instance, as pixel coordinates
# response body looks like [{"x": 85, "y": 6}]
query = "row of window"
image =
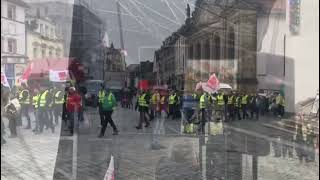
[
  {"x": 11, "y": 45},
  {"x": 51, "y": 52},
  {"x": 195, "y": 51}
]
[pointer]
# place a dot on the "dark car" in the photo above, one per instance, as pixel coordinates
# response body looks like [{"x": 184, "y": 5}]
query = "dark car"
[{"x": 92, "y": 88}]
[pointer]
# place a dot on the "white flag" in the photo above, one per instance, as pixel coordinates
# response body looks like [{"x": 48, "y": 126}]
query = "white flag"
[
  {"x": 110, "y": 171},
  {"x": 4, "y": 80},
  {"x": 58, "y": 76}
]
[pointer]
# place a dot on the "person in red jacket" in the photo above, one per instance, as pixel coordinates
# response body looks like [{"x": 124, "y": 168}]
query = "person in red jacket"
[{"x": 73, "y": 106}]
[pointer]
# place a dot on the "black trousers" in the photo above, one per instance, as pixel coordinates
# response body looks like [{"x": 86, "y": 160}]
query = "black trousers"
[
  {"x": 237, "y": 112},
  {"x": 230, "y": 109},
  {"x": 143, "y": 118},
  {"x": 254, "y": 111},
  {"x": 244, "y": 111},
  {"x": 13, "y": 126},
  {"x": 57, "y": 110},
  {"x": 100, "y": 113},
  {"x": 44, "y": 119},
  {"x": 202, "y": 120},
  {"x": 107, "y": 118},
  {"x": 25, "y": 113}
]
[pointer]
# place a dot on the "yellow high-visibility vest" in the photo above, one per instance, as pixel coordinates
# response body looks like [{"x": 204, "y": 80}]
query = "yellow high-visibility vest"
[
  {"x": 101, "y": 95},
  {"x": 43, "y": 99},
  {"x": 172, "y": 99},
  {"x": 220, "y": 100},
  {"x": 57, "y": 100},
  {"x": 155, "y": 98},
  {"x": 244, "y": 99},
  {"x": 25, "y": 101},
  {"x": 142, "y": 101},
  {"x": 230, "y": 100},
  {"x": 202, "y": 101},
  {"x": 237, "y": 103},
  {"x": 35, "y": 101}
]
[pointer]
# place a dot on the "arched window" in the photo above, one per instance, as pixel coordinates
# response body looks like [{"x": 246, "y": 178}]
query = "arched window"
[
  {"x": 231, "y": 42},
  {"x": 191, "y": 52},
  {"x": 216, "y": 48},
  {"x": 207, "y": 50},
  {"x": 198, "y": 51}
]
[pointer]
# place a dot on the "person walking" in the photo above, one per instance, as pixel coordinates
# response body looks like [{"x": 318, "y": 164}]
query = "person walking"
[
  {"x": 64, "y": 117},
  {"x": 25, "y": 102},
  {"x": 155, "y": 100},
  {"x": 230, "y": 106},
  {"x": 244, "y": 105},
  {"x": 203, "y": 104},
  {"x": 220, "y": 105},
  {"x": 254, "y": 106},
  {"x": 237, "y": 106},
  {"x": 172, "y": 104},
  {"x": 43, "y": 116},
  {"x": 280, "y": 104},
  {"x": 73, "y": 107},
  {"x": 35, "y": 99},
  {"x": 142, "y": 105},
  {"x": 101, "y": 95},
  {"x": 108, "y": 105},
  {"x": 57, "y": 105}
]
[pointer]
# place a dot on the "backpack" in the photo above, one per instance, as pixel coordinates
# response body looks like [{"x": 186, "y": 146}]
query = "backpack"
[{"x": 107, "y": 104}]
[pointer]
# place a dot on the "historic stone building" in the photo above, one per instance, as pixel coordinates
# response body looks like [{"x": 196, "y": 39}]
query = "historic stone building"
[{"x": 219, "y": 37}]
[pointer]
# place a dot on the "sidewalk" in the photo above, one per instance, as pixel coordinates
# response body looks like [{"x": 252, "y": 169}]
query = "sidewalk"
[{"x": 29, "y": 156}]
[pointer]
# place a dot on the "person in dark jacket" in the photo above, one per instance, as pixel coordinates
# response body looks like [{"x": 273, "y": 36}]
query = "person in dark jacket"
[{"x": 73, "y": 107}]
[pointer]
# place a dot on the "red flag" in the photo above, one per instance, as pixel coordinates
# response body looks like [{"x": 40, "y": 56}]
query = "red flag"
[
  {"x": 213, "y": 82},
  {"x": 62, "y": 75},
  {"x": 27, "y": 73}
]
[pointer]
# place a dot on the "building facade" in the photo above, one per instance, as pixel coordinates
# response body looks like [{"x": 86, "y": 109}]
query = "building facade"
[
  {"x": 13, "y": 39},
  {"x": 42, "y": 41}
]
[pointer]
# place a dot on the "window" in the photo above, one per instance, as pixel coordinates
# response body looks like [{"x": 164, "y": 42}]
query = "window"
[
  {"x": 2, "y": 44},
  {"x": 207, "y": 50},
  {"x": 12, "y": 45},
  {"x": 231, "y": 41},
  {"x": 43, "y": 52},
  {"x": 41, "y": 28},
  {"x": 47, "y": 31},
  {"x": 191, "y": 52},
  {"x": 50, "y": 52},
  {"x": 216, "y": 48},
  {"x": 35, "y": 52},
  {"x": 198, "y": 51},
  {"x": 11, "y": 11}
]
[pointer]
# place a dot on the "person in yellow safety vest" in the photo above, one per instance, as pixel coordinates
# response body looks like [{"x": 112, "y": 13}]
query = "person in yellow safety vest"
[
  {"x": 25, "y": 102},
  {"x": 101, "y": 95},
  {"x": 173, "y": 99},
  {"x": 35, "y": 103},
  {"x": 58, "y": 101},
  {"x": 203, "y": 104},
  {"x": 51, "y": 104},
  {"x": 155, "y": 104},
  {"x": 43, "y": 116},
  {"x": 220, "y": 105},
  {"x": 244, "y": 105},
  {"x": 230, "y": 106},
  {"x": 143, "y": 107},
  {"x": 280, "y": 102},
  {"x": 164, "y": 104},
  {"x": 237, "y": 105}
]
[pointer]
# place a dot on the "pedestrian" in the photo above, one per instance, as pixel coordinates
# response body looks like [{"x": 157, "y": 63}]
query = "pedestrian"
[
  {"x": 108, "y": 105},
  {"x": 230, "y": 106},
  {"x": 237, "y": 106},
  {"x": 203, "y": 103},
  {"x": 172, "y": 104},
  {"x": 12, "y": 113},
  {"x": 64, "y": 117},
  {"x": 254, "y": 106},
  {"x": 43, "y": 106},
  {"x": 220, "y": 105},
  {"x": 51, "y": 105},
  {"x": 101, "y": 95},
  {"x": 57, "y": 105},
  {"x": 73, "y": 106},
  {"x": 280, "y": 104},
  {"x": 164, "y": 104},
  {"x": 244, "y": 105},
  {"x": 25, "y": 102},
  {"x": 142, "y": 105},
  {"x": 35, "y": 99},
  {"x": 155, "y": 100},
  {"x": 5, "y": 92}
]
